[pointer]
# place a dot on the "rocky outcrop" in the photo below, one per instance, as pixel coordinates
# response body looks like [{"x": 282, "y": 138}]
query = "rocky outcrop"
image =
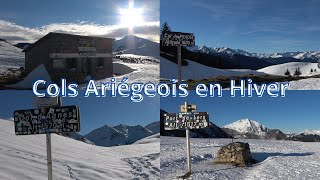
[{"x": 237, "y": 153}]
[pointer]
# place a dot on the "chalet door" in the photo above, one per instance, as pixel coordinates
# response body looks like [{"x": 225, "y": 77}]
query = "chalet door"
[{"x": 86, "y": 66}]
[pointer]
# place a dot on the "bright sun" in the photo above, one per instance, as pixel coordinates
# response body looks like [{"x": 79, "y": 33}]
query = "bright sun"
[{"x": 132, "y": 16}]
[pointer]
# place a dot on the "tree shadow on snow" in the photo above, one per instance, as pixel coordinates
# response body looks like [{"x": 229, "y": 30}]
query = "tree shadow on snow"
[{"x": 261, "y": 156}]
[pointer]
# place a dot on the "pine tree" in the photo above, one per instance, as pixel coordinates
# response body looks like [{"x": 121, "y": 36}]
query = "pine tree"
[
  {"x": 165, "y": 28},
  {"x": 297, "y": 72},
  {"x": 287, "y": 73}
]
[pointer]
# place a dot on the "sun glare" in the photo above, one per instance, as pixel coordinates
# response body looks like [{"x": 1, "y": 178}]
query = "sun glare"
[{"x": 132, "y": 16}]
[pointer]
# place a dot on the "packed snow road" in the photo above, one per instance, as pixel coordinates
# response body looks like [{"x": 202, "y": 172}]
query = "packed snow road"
[{"x": 278, "y": 159}]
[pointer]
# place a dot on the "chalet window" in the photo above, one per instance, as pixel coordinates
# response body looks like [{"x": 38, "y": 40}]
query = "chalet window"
[
  {"x": 71, "y": 63},
  {"x": 59, "y": 63},
  {"x": 100, "y": 62}
]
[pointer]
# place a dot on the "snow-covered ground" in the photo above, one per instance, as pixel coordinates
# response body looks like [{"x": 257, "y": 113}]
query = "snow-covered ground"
[
  {"x": 305, "y": 84},
  {"x": 10, "y": 57},
  {"x": 24, "y": 157},
  {"x": 280, "y": 69},
  {"x": 277, "y": 160},
  {"x": 196, "y": 71},
  {"x": 135, "y": 72}
]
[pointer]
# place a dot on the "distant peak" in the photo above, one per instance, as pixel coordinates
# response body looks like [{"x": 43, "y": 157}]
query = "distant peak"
[
  {"x": 247, "y": 120},
  {"x": 3, "y": 40},
  {"x": 107, "y": 126}
]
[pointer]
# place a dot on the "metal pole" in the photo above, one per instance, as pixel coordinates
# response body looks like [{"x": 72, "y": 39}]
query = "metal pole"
[
  {"x": 49, "y": 158},
  {"x": 188, "y": 143},
  {"x": 179, "y": 62}
]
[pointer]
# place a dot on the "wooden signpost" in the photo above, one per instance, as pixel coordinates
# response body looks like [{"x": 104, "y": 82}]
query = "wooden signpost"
[
  {"x": 187, "y": 119},
  {"x": 178, "y": 39},
  {"x": 49, "y": 117}
]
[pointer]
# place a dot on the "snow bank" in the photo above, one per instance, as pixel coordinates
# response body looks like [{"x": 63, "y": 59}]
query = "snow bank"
[
  {"x": 149, "y": 139},
  {"x": 305, "y": 84},
  {"x": 196, "y": 71},
  {"x": 280, "y": 69},
  {"x": 38, "y": 73},
  {"x": 143, "y": 73},
  {"x": 121, "y": 69}
]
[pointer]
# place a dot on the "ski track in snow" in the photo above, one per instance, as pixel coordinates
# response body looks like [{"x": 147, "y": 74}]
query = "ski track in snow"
[
  {"x": 277, "y": 160},
  {"x": 144, "y": 166}
]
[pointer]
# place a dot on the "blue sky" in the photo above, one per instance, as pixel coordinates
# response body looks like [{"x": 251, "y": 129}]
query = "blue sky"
[
  {"x": 254, "y": 26},
  {"x": 95, "y": 112},
  {"x": 29, "y": 20},
  {"x": 296, "y": 112}
]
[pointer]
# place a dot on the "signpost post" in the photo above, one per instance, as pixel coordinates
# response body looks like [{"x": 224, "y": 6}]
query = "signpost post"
[
  {"x": 178, "y": 39},
  {"x": 179, "y": 63},
  {"x": 49, "y": 157},
  {"x": 188, "y": 142},
  {"x": 187, "y": 119},
  {"x": 50, "y": 117}
]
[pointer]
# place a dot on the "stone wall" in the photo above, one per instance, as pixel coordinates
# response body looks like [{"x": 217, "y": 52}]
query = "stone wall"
[{"x": 237, "y": 153}]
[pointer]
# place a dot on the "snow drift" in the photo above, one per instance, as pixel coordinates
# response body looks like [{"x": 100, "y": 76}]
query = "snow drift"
[
  {"x": 38, "y": 73},
  {"x": 280, "y": 69},
  {"x": 196, "y": 71}
]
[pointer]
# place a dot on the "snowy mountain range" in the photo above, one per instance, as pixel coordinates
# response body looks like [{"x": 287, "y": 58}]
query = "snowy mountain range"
[
  {"x": 242, "y": 129},
  {"x": 250, "y": 129},
  {"x": 246, "y": 128},
  {"x": 154, "y": 127},
  {"x": 121, "y": 134},
  {"x": 310, "y": 132},
  {"x": 300, "y": 55},
  {"x": 131, "y": 44},
  {"x": 10, "y": 56}
]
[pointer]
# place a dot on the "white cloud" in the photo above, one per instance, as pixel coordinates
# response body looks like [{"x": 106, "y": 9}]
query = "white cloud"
[{"x": 15, "y": 33}]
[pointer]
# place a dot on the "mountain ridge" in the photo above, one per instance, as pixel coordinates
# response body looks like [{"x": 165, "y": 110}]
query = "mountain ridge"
[{"x": 300, "y": 55}]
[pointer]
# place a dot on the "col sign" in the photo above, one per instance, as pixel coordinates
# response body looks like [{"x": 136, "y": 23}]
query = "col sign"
[
  {"x": 47, "y": 120},
  {"x": 178, "y": 39},
  {"x": 45, "y": 101},
  {"x": 190, "y": 108},
  {"x": 191, "y": 120}
]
